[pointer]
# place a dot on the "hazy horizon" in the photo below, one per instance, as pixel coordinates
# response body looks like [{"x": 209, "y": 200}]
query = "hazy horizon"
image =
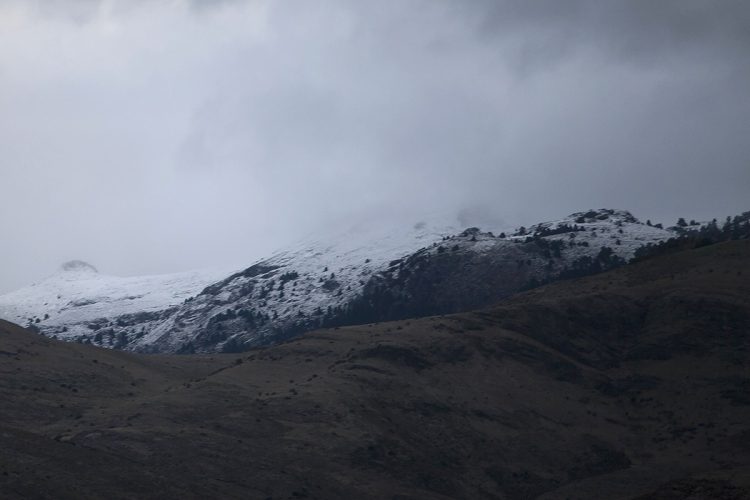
[{"x": 154, "y": 137}]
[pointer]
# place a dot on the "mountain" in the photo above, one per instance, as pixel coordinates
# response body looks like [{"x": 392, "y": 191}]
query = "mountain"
[
  {"x": 78, "y": 301},
  {"x": 363, "y": 274},
  {"x": 370, "y": 276},
  {"x": 632, "y": 383}
]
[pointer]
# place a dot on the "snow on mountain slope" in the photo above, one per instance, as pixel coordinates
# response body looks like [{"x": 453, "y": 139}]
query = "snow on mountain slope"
[
  {"x": 295, "y": 286},
  {"x": 617, "y": 229},
  {"x": 474, "y": 269},
  {"x": 365, "y": 273},
  {"x": 320, "y": 281},
  {"x": 77, "y": 300}
]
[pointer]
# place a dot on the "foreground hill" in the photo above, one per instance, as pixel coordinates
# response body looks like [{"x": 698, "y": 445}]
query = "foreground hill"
[{"x": 632, "y": 383}]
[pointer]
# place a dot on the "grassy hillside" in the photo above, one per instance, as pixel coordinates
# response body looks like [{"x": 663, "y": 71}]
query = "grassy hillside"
[{"x": 628, "y": 384}]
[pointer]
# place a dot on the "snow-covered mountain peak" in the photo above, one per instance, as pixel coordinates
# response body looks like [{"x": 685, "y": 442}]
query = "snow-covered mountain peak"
[
  {"x": 77, "y": 296},
  {"x": 603, "y": 214},
  {"x": 78, "y": 266},
  {"x": 595, "y": 218}
]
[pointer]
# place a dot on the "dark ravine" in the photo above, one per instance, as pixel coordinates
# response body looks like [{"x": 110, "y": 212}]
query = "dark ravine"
[{"x": 627, "y": 384}]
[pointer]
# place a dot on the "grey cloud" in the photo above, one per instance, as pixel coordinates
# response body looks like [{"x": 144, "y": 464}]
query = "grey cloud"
[
  {"x": 159, "y": 136},
  {"x": 203, "y": 5},
  {"x": 639, "y": 31}
]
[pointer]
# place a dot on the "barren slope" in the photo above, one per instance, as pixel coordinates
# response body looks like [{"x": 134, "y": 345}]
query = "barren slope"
[{"x": 629, "y": 383}]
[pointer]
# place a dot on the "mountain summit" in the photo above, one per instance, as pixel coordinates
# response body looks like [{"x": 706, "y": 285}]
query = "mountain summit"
[{"x": 78, "y": 266}]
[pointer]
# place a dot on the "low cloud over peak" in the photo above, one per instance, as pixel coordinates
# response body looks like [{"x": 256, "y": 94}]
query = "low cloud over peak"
[{"x": 154, "y": 136}]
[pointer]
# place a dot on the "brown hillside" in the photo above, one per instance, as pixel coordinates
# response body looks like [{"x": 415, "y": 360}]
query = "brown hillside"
[{"x": 629, "y": 384}]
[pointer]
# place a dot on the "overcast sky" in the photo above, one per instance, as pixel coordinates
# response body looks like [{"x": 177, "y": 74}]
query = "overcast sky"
[{"x": 157, "y": 136}]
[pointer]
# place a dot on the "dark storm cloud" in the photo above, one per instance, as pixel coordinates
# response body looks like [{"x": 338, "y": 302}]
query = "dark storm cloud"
[
  {"x": 155, "y": 136},
  {"x": 639, "y": 31}
]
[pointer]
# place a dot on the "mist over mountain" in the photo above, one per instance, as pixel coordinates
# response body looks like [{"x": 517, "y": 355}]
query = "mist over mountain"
[
  {"x": 159, "y": 137},
  {"x": 78, "y": 266}
]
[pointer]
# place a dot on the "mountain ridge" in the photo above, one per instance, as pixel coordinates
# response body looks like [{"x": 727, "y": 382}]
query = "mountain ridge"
[
  {"x": 327, "y": 281},
  {"x": 290, "y": 293}
]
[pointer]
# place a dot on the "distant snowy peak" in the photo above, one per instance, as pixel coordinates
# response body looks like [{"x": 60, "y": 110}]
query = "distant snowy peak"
[
  {"x": 77, "y": 297},
  {"x": 599, "y": 216},
  {"x": 602, "y": 214},
  {"x": 78, "y": 266}
]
